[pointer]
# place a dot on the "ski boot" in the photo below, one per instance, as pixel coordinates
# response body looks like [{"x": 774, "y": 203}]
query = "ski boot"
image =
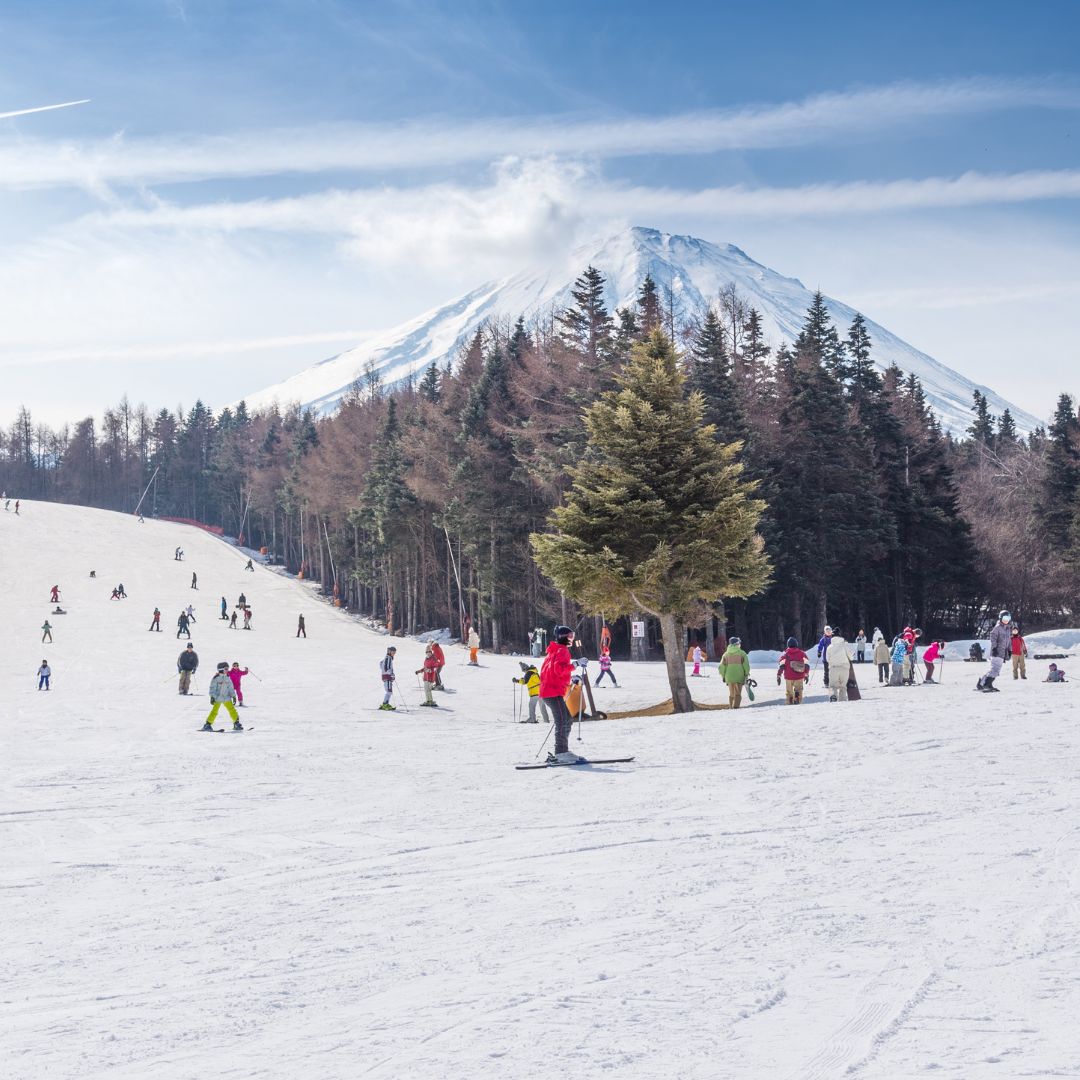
[
  {"x": 387, "y": 707},
  {"x": 565, "y": 757},
  {"x": 207, "y": 726},
  {"x": 237, "y": 726}
]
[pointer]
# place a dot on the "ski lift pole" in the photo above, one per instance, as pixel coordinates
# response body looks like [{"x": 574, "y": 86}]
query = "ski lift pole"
[{"x": 146, "y": 489}]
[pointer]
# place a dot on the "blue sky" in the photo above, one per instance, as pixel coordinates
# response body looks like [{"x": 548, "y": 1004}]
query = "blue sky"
[{"x": 254, "y": 186}]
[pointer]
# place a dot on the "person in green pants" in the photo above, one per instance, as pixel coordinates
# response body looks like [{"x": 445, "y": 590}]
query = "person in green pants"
[{"x": 735, "y": 670}]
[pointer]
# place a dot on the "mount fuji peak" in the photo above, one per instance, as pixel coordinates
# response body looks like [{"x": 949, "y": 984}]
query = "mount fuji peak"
[{"x": 696, "y": 270}]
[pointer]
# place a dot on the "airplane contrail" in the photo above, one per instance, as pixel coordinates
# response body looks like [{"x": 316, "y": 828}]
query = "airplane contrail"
[{"x": 42, "y": 108}]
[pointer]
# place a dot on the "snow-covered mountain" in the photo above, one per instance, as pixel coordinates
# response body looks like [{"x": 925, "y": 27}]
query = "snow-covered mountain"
[{"x": 695, "y": 269}]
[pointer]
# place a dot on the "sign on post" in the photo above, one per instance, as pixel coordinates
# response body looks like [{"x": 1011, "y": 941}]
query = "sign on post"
[{"x": 637, "y": 629}]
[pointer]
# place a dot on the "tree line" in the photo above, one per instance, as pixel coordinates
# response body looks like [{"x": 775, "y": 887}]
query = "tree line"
[{"x": 415, "y": 503}]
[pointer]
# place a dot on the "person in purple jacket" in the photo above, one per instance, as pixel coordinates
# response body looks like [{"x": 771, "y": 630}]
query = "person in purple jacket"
[
  {"x": 605, "y": 667},
  {"x": 822, "y": 650}
]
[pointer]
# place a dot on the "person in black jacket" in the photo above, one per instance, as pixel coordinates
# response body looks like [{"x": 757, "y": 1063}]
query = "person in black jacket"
[{"x": 187, "y": 664}]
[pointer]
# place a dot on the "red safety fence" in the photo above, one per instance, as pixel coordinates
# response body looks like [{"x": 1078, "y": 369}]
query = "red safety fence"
[{"x": 217, "y": 530}]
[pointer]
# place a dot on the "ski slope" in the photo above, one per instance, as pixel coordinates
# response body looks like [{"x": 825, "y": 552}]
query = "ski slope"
[{"x": 883, "y": 890}]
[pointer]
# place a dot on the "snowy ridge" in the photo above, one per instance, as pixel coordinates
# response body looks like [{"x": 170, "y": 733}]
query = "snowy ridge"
[{"x": 696, "y": 270}]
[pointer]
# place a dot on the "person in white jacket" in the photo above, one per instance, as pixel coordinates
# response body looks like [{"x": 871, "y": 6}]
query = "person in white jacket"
[
  {"x": 839, "y": 662},
  {"x": 474, "y": 647}
]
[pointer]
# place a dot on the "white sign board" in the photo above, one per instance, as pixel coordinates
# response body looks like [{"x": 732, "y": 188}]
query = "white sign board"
[{"x": 637, "y": 629}]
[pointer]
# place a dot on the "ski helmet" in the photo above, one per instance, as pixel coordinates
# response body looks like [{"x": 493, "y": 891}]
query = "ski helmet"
[
  {"x": 734, "y": 641},
  {"x": 560, "y": 632},
  {"x": 223, "y": 666},
  {"x": 792, "y": 643},
  {"x": 1004, "y": 616}
]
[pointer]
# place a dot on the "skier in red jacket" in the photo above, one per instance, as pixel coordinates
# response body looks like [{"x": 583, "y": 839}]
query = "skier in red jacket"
[{"x": 555, "y": 677}]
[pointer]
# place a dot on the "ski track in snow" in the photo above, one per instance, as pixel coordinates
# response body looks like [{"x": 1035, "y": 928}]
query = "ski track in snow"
[{"x": 878, "y": 890}]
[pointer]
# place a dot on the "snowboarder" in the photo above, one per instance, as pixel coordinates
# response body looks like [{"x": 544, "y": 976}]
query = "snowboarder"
[
  {"x": 822, "y": 647},
  {"x": 976, "y": 653},
  {"x": 301, "y": 629},
  {"x": 187, "y": 663},
  {"x": 474, "y": 647},
  {"x": 734, "y": 670},
  {"x": 1000, "y": 648},
  {"x": 440, "y": 663},
  {"x": 794, "y": 667},
  {"x": 182, "y": 625},
  {"x": 194, "y": 580},
  {"x": 386, "y": 670},
  {"x": 46, "y": 631},
  {"x": 930, "y": 656},
  {"x": 191, "y": 614},
  {"x": 222, "y": 692},
  {"x": 241, "y": 601},
  {"x": 881, "y": 658},
  {"x": 605, "y": 666},
  {"x": 155, "y": 623},
  {"x": 224, "y": 609},
  {"x": 54, "y": 596},
  {"x": 556, "y": 675},
  {"x": 429, "y": 671},
  {"x": 44, "y": 672},
  {"x": 1055, "y": 674},
  {"x": 860, "y": 647},
  {"x": 249, "y": 566},
  {"x": 1018, "y": 648},
  {"x": 247, "y": 618},
  {"x": 232, "y": 621},
  {"x": 698, "y": 656},
  {"x": 236, "y": 675},
  {"x": 530, "y": 679},
  {"x": 58, "y": 610},
  {"x": 837, "y": 663}
]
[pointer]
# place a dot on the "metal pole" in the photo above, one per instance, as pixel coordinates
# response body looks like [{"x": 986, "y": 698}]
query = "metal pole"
[{"x": 145, "y": 490}]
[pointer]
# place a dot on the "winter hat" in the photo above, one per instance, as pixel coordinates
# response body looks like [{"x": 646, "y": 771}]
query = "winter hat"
[
  {"x": 560, "y": 632},
  {"x": 393, "y": 649},
  {"x": 1053, "y": 667},
  {"x": 792, "y": 643},
  {"x": 190, "y": 646},
  {"x": 828, "y": 630},
  {"x": 734, "y": 641}
]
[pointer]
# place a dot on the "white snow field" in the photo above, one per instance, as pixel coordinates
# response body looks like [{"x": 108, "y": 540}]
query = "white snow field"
[{"x": 884, "y": 889}]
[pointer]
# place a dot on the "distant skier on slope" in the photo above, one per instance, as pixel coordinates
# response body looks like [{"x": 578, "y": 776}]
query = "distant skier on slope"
[
  {"x": 182, "y": 625},
  {"x": 301, "y": 627},
  {"x": 605, "y": 666},
  {"x": 1018, "y": 649},
  {"x": 530, "y": 679},
  {"x": 555, "y": 677},
  {"x": 44, "y": 674},
  {"x": 155, "y": 623},
  {"x": 222, "y": 692},
  {"x": 428, "y": 671},
  {"x": 224, "y": 609},
  {"x": 54, "y": 595},
  {"x": 474, "y": 647},
  {"x": 930, "y": 656},
  {"x": 881, "y": 659},
  {"x": 698, "y": 656},
  {"x": 249, "y": 566},
  {"x": 1000, "y": 648},
  {"x": 194, "y": 580},
  {"x": 187, "y": 663},
  {"x": 46, "y": 631},
  {"x": 440, "y": 663},
  {"x": 386, "y": 671},
  {"x": 236, "y": 675}
]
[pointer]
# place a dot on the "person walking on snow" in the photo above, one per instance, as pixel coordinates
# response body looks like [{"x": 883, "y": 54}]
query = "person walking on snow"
[
  {"x": 54, "y": 595},
  {"x": 155, "y": 622},
  {"x": 232, "y": 621},
  {"x": 44, "y": 672},
  {"x": 236, "y": 675},
  {"x": 187, "y": 663},
  {"x": 182, "y": 625},
  {"x": 530, "y": 679},
  {"x": 822, "y": 649},
  {"x": 222, "y": 692},
  {"x": 881, "y": 658},
  {"x": 1000, "y": 648},
  {"x": 794, "y": 667},
  {"x": 386, "y": 670},
  {"x": 735, "y": 670},
  {"x": 860, "y": 647},
  {"x": 429, "y": 671},
  {"x": 555, "y": 676},
  {"x": 194, "y": 580},
  {"x": 839, "y": 667},
  {"x": 46, "y": 631},
  {"x": 440, "y": 663},
  {"x": 605, "y": 667},
  {"x": 247, "y": 618},
  {"x": 474, "y": 647},
  {"x": 224, "y": 609},
  {"x": 1018, "y": 648},
  {"x": 698, "y": 657},
  {"x": 301, "y": 629},
  {"x": 930, "y": 656}
]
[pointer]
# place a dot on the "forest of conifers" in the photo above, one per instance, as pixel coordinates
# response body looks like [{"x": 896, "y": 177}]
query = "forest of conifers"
[{"x": 414, "y": 504}]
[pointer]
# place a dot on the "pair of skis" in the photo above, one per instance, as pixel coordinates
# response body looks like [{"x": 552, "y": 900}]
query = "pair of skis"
[{"x": 565, "y": 764}]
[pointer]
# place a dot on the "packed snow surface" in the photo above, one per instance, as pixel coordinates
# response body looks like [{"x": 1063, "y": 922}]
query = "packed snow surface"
[
  {"x": 695, "y": 270},
  {"x": 884, "y": 889}
]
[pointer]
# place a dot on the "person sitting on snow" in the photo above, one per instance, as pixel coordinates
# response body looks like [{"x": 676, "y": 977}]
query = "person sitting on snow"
[{"x": 1055, "y": 674}]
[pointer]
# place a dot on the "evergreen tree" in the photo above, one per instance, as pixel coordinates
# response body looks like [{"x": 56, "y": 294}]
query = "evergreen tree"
[
  {"x": 649, "y": 311},
  {"x": 982, "y": 427},
  {"x": 710, "y": 374},
  {"x": 429, "y": 385},
  {"x": 1057, "y": 503},
  {"x": 819, "y": 342},
  {"x": 658, "y": 519},
  {"x": 587, "y": 327},
  {"x": 1006, "y": 435}
]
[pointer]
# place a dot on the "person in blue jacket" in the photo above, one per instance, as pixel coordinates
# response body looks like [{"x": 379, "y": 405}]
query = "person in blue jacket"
[{"x": 822, "y": 647}]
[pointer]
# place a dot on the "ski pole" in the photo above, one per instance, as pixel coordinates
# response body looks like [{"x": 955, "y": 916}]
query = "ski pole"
[
  {"x": 253, "y": 675},
  {"x": 401, "y": 697},
  {"x": 546, "y": 737}
]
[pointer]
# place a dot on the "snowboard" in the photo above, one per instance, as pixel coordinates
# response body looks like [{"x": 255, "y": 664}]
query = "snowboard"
[
  {"x": 853, "y": 691},
  {"x": 566, "y": 764}
]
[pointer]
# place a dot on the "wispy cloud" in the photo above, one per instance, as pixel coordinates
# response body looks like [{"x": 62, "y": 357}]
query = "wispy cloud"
[{"x": 866, "y": 112}]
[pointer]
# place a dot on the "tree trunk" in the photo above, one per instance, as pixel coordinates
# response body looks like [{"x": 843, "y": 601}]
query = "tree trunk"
[
  {"x": 639, "y": 650},
  {"x": 674, "y": 635}
]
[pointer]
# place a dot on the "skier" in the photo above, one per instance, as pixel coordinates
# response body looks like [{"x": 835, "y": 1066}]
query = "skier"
[
  {"x": 191, "y": 614},
  {"x": 556, "y": 674},
  {"x": 43, "y": 675},
  {"x": 301, "y": 629},
  {"x": 54, "y": 596},
  {"x": 1000, "y": 648},
  {"x": 222, "y": 692},
  {"x": 440, "y": 663},
  {"x": 156, "y": 622},
  {"x": 429, "y": 671},
  {"x": 474, "y": 647},
  {"x": 115, "y": 594},
  {"x": 178, "y": 554},
  {"x": 224, "y": 609},
  {"x": 236, "y": 675},
  {"x": 822, "y": 647},
  {"x": 46, "y": 631},
  {"x": 120, "y": 591},
  {"x": 1055, "y": 674},
  {"x": 881, "y": 658},
  {"x": 247, "y": 618},
  {"x": 530, "y": 679},
  {"x": 1018, "y": 648},
  {"x": 794, "y": 667},
  {"x": 93, "y": 573},
  {"x": 194, "y": 580},
  {"x": 249, "y": 566},
  {"x": 838, "y": 662},
  {"x": 698, "y": 657},
  {"x": 605, "y": 667},
  {"x": 232, "y": 621},
  {"x": 187, "y": 663},
  {"x": 860, "y": 647},
  {"x": 386, "y": 670},
  {"x": 930, "y": 655},
  {"x": 734, "y": 670},
  {"x": 182, "y": 625}
]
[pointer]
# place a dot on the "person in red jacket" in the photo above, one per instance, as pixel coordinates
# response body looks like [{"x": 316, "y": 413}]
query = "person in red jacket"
[
  {"x": 555, "y": 676},
  {"x": 794, "y": 667},
  {"x": 440, "y": 663},
  {"x": 1018, "y": 648}
]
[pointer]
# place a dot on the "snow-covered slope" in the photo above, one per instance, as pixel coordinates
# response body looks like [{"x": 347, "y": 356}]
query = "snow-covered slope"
[
  {"x": 884, "y": 889},
  {"x": 695, "y": 269}
]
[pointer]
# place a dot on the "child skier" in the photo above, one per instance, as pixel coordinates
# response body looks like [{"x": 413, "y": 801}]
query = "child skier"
[
  {"x": 45, "y": 671},
  {"x": 54, "y": 595},
  {"x": 530, "y": 679},
  {"x": 794, "y": 667},
  {"x": 191, "y": 614},
  {"x": 155, "y": 623},
  {"x": 605, "y": 667},
  {"x": 897, "y": 658},
  {"x": 822, "y": 647},
  {"x": 386, "y": 669},
  {"x": 249, "y": 566},
  {"x": 46, "y": 630},
  {"x": 555, "y": 676},
  {"x": 232, "y": 621},
  {"x": 698, "y": 657},
  {"x": 236, "y": 675},
  {"x": 222, "y": 692},
  {"x": 735, "y": 670},
  {"x": 429, "y": 672},
  {"x": 1055, "y": 674}
]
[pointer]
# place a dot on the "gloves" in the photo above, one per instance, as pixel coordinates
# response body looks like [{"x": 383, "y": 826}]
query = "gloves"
[
  {"x": 778, "y": 678},
  {"x": 576, "y": 680},
  {"x": 583, "y": 662}
]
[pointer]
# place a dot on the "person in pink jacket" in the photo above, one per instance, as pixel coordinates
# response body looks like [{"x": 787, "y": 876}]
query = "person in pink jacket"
[
  {"x": 235, "y": 674},
  {"x": 930, "y": 656}
]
